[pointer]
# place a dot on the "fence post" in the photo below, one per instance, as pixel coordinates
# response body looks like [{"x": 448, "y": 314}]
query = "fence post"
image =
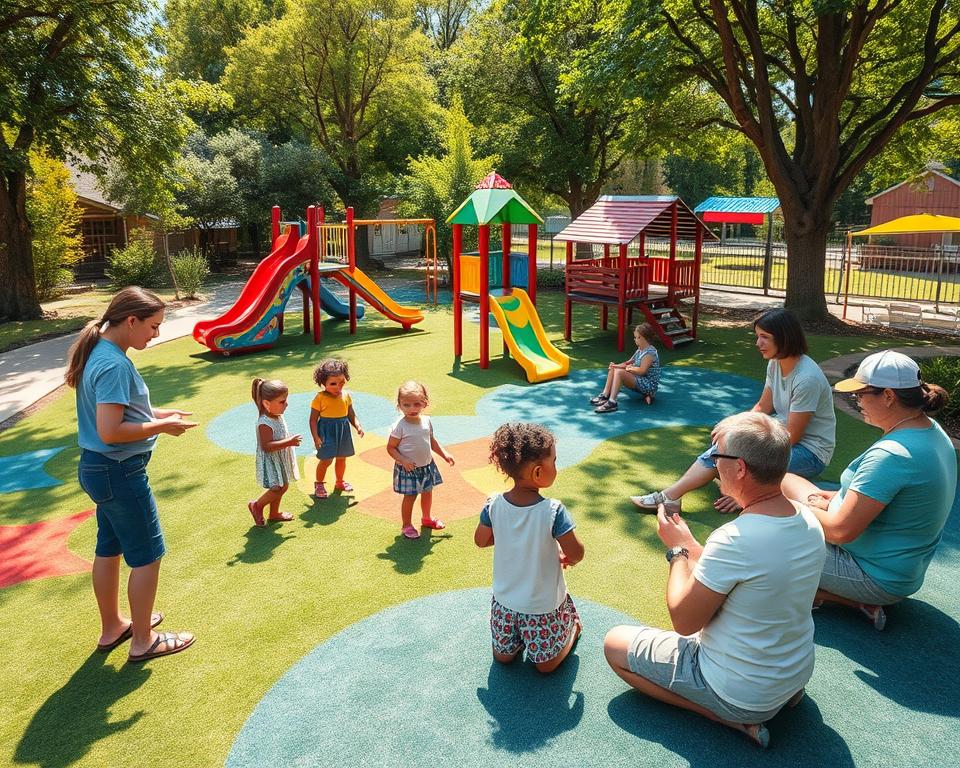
[
  {"x": 768, "y": 257},
  {"x": 844, "y": 261},
  {"x": 936, "y": 301}
]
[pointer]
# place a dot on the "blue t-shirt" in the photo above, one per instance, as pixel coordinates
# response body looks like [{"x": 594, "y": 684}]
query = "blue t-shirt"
[
  {"x": 649, "y": 351},
  {"x": 914, "y": 473},
  {"x": 110, "y": 377}
]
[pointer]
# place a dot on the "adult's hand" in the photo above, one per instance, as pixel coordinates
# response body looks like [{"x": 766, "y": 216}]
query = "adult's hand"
[
  {"x": 727, "y": 505},
  {"x": 673, "y": 530},
  {"x": 820, "y": 500},
  {"x": 176, "y": 426}
]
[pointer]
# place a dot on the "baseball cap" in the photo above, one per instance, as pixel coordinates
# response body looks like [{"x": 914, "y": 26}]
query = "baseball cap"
[{"x": 883, "y": 370}]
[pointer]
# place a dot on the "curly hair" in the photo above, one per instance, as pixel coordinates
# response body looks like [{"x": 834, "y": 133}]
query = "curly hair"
[
  {"x": 330, "y": 367},
  {"x": 516, "y": 444}
]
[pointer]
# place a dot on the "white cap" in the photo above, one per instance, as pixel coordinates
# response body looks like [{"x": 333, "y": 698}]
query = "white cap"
[{"x": 883, "y": 370}]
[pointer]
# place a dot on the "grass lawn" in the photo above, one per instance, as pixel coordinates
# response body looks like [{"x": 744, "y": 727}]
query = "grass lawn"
[{"x": 260, "y": 600}]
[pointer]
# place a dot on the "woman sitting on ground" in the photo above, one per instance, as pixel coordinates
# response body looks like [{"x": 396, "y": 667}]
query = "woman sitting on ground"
[
  {"x": 796, "y": 393},
  {"x": 884, "y": 524}
]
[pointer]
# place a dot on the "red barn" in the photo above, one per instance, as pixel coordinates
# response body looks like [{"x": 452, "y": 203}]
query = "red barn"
[{"x": 930, "y": 192}]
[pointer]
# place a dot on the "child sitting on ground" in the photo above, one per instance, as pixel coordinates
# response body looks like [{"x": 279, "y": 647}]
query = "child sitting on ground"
[
  {"x": 641, "y": 373},
  {"x": 412, "y": 445},
  {"x": 534, "y": 540},
  {"x": 276, "y": 459}
]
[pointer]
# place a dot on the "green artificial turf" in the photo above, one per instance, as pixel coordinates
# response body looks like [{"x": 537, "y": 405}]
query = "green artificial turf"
[{"x": 259, "y": 600}]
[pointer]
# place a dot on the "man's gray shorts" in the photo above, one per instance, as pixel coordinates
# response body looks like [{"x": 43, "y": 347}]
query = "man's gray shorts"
[
  {"x": 672, "y": 661},
  {"x": 843, "y": 576}
]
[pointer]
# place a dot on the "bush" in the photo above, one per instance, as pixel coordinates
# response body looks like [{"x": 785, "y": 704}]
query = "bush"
[
  {"x": 55, "y": 219},
  {"x": 944, "y": 371},
  {"x": 134, "y": 264},
  {"x": 550, "y": 278},
  {"x": 191, "y": 269}
]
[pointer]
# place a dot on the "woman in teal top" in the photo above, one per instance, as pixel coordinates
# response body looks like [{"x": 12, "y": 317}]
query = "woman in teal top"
[
  {"x": 116, "y": 430},
  {"x": 884, "y": 524}
]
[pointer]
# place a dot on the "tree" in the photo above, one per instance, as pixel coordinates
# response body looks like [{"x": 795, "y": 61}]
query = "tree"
[
  {"x": 820, "y": 89},
  {"x": 437, "y": 185},
  {"x": 55, "y": 221},
  {"x": 443, "y": 20},
  {"x": 353, "y": 67},
  {"x": 71, "y": 77}
]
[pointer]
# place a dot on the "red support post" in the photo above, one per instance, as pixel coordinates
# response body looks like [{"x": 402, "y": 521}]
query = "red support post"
[
  {"x": 606, "y": 254},
  {"x": 532, "y": 263},
  {"x": 274, "y": 225},
  {"x": 671, "y": 268},
  {"x": 568, "y": 311},
  {"x": 313, "y": 229},
  {"x": 697, "y": 256},
  {"x": 484, "y": 248},
  {"x": 457, "y": 303},
  {"x": 352, "y": 264},
  {"x": 622, "y": 298}
]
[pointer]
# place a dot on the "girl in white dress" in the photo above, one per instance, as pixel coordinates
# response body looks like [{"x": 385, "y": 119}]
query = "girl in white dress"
[{"x": 276, "y": 459}]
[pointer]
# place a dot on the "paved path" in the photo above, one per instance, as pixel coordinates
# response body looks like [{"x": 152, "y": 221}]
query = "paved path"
[{"x": 30, "y": 373}]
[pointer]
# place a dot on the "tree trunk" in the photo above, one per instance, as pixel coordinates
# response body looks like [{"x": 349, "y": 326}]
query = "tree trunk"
[
  {"x": 18, "y": 288},
  {"x": 806, "y": 240},
  {"x": 169, "y": 262}
]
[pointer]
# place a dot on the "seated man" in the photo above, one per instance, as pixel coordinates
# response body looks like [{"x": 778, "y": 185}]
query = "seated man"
[{"x": 740, "y": 605}]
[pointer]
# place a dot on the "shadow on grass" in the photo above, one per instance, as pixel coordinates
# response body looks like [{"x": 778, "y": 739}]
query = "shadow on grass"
[
  {"x": 408, "y": 555},
  {"x": 327, "y": 511},
  {"x": 797, "y": 736},
  {"x": 78, "y": 715},
  {"x": 550, "y": 705},
  {"x": 260, "y": 544}
]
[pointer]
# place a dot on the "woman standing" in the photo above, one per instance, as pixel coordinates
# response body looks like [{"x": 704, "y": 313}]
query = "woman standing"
[
  {"x": 796, "y": 393},
  {"x": 884, "y": 524},
  {"x": 117, "y": 428}
]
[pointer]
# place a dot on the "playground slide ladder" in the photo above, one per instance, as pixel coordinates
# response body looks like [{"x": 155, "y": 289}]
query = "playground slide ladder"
[{"x": 667, "y": 322}]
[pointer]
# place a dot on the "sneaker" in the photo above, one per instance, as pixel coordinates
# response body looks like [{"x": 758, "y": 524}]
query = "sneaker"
[
  {"x": 320, "y": 491},
  {"x": 601, "y": 398},
  {"x": 343, "y": 485},
  {"x": 608, "y": 406},
  {"x": 651, "y": 501}
]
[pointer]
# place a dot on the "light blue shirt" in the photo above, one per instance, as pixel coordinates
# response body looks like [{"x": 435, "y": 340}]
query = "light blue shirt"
[
  {"x": 914, "y": 473},
  {"x": 110, "y": 377}
]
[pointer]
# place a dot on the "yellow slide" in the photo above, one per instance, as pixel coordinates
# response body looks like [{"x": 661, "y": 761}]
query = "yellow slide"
[
  {"x": 377, "y": 298},
  {"x": 523, "y": 333}
]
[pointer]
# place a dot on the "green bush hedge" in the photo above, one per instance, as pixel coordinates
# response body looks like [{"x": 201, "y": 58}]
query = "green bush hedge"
[
  {"x": 550, "y": 278},
  {"x": 944, "y": 371},
  {"x": 134, "y": 264},
  {"x": 191, "y": 269}
]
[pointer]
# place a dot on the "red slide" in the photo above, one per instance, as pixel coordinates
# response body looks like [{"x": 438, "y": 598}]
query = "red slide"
[{"x": 248, "y": 324}]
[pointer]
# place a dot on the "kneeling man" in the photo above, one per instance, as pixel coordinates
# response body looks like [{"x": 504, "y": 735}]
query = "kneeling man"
[{"x": 742, "y": 645}]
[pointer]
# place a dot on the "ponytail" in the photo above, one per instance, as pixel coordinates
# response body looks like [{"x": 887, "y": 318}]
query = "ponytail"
[
  {"x": 132, "y": 301},
  {"x": 266, "y": 389},
  {"x": 255, "y": 392},
  {"x": 929, "y": 398}
]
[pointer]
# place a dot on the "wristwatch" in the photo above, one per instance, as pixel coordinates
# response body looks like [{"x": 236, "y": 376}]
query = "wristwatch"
[{"x": 674, "y": 551}]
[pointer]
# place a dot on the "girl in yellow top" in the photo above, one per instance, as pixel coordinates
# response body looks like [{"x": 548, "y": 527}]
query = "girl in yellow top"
[{"x": 331, "y": 415}]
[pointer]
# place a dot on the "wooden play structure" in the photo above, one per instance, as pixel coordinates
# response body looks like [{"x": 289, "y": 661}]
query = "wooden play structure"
[
  {"x": 629, "y": 281},
  {"x": 496, "y": 202}
]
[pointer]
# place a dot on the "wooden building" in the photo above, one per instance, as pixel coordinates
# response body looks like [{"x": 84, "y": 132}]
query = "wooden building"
[{"x": 930, "y": 192}]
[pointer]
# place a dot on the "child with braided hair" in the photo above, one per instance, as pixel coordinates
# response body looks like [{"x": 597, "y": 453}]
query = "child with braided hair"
[{"x": 534, "y": 540}]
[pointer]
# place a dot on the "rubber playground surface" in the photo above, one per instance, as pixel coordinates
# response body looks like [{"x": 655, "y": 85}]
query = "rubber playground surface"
[{"x": 331, "y": 640}]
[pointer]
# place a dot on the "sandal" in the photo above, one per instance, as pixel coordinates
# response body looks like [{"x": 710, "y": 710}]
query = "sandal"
[
  {"x": 320, "y": 491},
  {"x": 155, "y": 619},
  {"x": 608, "y": 406},
  {"x": 876, "y": 614},
  {"x": 599, "y": 399},
  {"x": 174, "y": 642},
  {"x": 432, "y": 523},
  {"x": 648, "y": 399},
  {"x": 283, "y": 517},
  {"x": 343, "y": 485},
  {"x": 757, "y": 732},
  {"x": 409, "y": 532},
  {"x": 257, "y": 514}
]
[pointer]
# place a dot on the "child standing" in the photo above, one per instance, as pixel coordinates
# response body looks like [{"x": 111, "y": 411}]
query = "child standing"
[
  {"x": 535, "y": 540},
  {"x": 411, "y": 446},
  {"x": 331, "y": 416},
  {"x": 641, "y": 373},
  {"x": 276, "y": 459}
]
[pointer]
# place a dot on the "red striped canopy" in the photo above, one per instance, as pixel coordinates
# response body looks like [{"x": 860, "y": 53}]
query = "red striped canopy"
[{"x": 618, "y": 219}]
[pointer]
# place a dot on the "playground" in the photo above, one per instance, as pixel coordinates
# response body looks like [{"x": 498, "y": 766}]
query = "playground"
[{"x": 331, "y": 639}]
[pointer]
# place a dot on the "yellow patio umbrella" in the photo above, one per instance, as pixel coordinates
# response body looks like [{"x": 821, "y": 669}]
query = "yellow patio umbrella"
[{"x": 914, "y": 224}]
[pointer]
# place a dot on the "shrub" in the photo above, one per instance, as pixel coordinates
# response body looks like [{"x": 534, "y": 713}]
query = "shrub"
[
  {"x": 550, "y": 278},
  {"x": 55, "y": 219},
  {"x": 191, "y": 269},
  {"x": 134, "y": 264},
  {"x": 944, "y": 371}
]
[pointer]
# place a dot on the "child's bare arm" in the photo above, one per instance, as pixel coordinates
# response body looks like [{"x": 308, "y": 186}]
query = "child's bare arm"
[
  {"x": 571, "y": 547},
  {"x": 641, "y": 369},
  {"x": 314, "y": 432},
  {"x": 393, "y": 444},
  {"x": 268, "y": 444},
  {"x": 352, "y": 416},
  {"x": 440, "y": 451},
  {"x": 483, "y": 536}
]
